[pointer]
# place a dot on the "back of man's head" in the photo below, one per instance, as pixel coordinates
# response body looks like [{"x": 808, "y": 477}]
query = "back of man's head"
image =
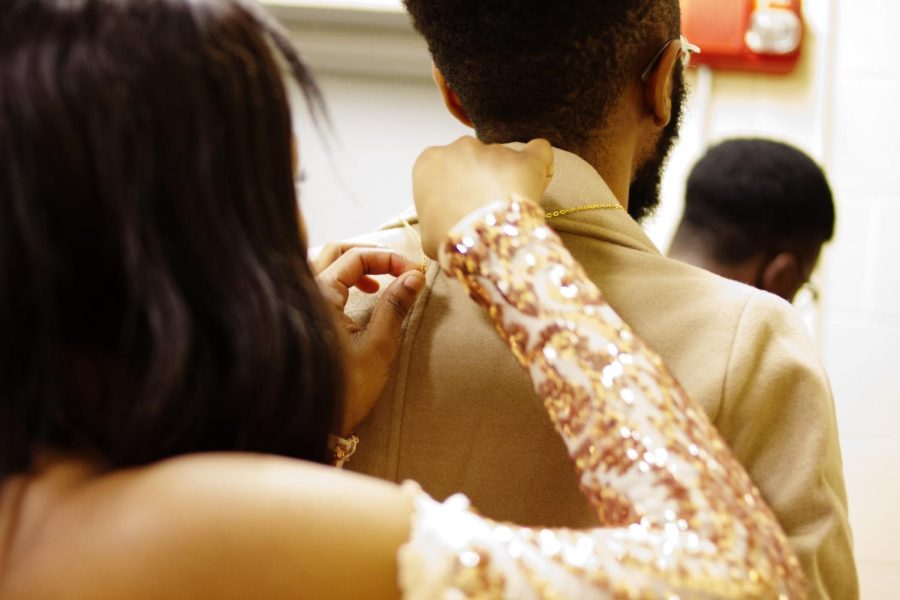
[
  {"x": 754, "y": 196},
  {"x": 538, "y": 68}
]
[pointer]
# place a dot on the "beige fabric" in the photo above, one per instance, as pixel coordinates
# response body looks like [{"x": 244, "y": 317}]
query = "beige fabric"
[{"x": 460, "y": 416}]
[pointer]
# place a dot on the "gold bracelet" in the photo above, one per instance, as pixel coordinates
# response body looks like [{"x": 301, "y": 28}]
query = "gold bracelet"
[{"x": 342, "y": 449}]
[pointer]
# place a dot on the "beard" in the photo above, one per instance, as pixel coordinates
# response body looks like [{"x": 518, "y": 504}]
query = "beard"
[{"x": 644, "y": 192}]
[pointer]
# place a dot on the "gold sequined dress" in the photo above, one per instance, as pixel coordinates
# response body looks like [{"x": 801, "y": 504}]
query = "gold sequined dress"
[{"x": 681, "y": 518}]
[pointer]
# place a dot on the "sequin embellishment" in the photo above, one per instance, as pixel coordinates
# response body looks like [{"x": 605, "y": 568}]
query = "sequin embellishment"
[{"x": 680, "y": 516}]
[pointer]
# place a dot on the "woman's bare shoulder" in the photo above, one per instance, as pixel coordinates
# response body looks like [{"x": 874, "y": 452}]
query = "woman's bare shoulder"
[{"x": 220, "y": 525}]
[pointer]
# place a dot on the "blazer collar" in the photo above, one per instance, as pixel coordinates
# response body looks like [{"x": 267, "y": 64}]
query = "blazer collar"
[{"x": 576, "y": 183}]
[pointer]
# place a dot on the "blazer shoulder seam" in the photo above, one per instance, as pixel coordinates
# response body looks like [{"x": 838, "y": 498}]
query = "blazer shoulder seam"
[{"x": 731, "y": 351}]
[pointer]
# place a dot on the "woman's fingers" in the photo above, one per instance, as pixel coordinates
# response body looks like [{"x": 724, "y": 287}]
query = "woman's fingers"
[
  {"x": 352, "y": 269},
  {"x": 331, "y": 251},
  {"x": 367, "y": 285},
  {"x": 383, "y": 330},
  {"x": 372, "y": 350}
]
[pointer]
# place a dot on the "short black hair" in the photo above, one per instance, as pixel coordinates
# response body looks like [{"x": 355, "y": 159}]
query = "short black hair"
[
  {"x": 752, "y": 196},
  {"x": 155, "y": 297},
  {"x": 538, "y": 68}
]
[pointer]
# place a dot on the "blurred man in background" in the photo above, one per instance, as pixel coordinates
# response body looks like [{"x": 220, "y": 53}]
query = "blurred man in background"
[{"x": 756, "y": 211}]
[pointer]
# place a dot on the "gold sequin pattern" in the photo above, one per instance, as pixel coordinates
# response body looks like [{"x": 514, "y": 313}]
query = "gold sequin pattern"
[{"x": 680, "y": 516}]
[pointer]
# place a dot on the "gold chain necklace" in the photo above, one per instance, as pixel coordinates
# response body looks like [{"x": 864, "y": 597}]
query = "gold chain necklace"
[
  {"x": 568, "y": 211},
  {"x": 550, "y": 215}
]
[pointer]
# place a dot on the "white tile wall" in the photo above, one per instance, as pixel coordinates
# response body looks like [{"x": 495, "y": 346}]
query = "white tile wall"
[
  {"x": 866, "y": 151},
  {"x": 861, "y": 323},
  {"x": 866, "y": 35},
  {"x": 862, "y": 273},
  {"x": 842, "y": 106},
  {"x": 859, "y": 348},
  {"x": 865, "y": 459}
]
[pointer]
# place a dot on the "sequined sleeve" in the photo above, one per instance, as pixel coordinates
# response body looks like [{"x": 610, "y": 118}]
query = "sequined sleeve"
[{"x": 680, "y": 517}]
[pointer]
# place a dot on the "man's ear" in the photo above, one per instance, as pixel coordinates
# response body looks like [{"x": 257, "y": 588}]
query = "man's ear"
[
  {"x": 782, "y": 276},
  {"x": 658, "y": 87},
  {"x": 451, "y": 100}
]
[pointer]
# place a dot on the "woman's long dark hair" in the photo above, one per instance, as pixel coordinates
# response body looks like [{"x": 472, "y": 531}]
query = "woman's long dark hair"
[{"x": 155, "y": 297}]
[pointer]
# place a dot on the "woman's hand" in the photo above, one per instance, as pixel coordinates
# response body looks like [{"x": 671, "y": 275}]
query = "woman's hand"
[
  {"x": 321, "y": 258},
  {"x": 449, "y": 182},
  {"x": 369, "y": 352}
]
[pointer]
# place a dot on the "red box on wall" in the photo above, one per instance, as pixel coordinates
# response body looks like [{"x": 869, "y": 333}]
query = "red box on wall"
[{"x": 745, "y": 35}]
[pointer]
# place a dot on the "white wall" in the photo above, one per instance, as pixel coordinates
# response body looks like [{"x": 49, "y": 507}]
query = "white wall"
[
  {"x": 861, "y": 322},
  {"x": 364, "y": 178},
  {"x": 840, "y": 106}
]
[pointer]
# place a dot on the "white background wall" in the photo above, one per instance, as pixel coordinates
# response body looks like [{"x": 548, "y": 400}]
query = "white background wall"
[
  {"x": 861, "y": 321},
  {"x": 841, "y": 106},
  {"x": 363, "y": 177}
]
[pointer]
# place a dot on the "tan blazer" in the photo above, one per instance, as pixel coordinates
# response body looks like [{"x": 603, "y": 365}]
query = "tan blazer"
[{"x": 460, "y": 415}]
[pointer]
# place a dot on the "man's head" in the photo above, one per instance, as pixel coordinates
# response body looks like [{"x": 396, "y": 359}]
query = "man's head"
[
  {"x": 569, "y": 71},
  {"x": 756, "y": 211}
]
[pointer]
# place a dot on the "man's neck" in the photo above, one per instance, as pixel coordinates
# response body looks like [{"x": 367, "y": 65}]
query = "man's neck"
[{"x": 615, "y": 167}]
